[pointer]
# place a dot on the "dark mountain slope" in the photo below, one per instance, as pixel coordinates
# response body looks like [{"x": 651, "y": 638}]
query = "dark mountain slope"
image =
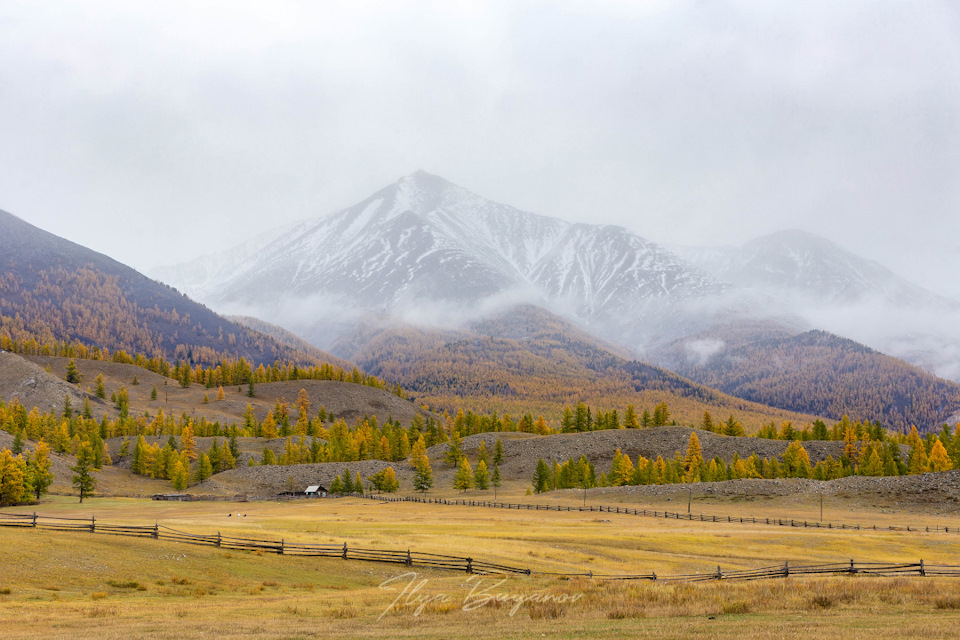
[
  {"x": 52, "y": 289},
  {"x": 820, "y": 373}
]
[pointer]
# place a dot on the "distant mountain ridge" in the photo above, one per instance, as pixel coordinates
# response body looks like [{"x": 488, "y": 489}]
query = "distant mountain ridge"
[
  {"x": 424, "y": 246},
  {"x": 426, "y": 254},
  {"x": 794, "y": 262},
  {"x": 835, "y": 290}
]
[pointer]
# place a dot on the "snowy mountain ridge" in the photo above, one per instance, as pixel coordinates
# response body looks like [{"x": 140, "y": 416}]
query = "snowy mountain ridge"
[
  {"x": 426, "y": 251},
  {"x": 425, "y": 239}
]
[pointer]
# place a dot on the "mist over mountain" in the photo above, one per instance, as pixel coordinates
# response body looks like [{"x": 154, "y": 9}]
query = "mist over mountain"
[
  {"x": 838, "y": 291},
  {"x": 425, "y": 251}
]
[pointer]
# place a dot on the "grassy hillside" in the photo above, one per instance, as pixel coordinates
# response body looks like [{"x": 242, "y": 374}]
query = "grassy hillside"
[{"x": 342, "y": 399}]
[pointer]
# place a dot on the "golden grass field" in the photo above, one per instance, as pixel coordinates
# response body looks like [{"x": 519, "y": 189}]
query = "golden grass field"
[{"x": 80, "y": 585}]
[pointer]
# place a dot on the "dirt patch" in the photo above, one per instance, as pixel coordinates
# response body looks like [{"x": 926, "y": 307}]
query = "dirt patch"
[{"x": 33, "y": 387}]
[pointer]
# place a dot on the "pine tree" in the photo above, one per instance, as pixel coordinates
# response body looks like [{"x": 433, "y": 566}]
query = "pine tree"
[
  {"x": 630, "y": 418},
  {"x": 423, "y": 476},
  {"x": 797, "y": 461},
  {"x": 251, "y": 391},
  {"x": 482, "y": 455},
  {"x": 123, "y": 402},
  {"x": 496, "y": 481},
  {"x": 188, "y": 443},
  {"x": 694, "y": 458},
  {"x": 227, "y": 460},
  {"x": 873, "y": 466},
  {"x": 463, "y": 480},
  {"x": 83, "y": 479},
  {"x": 498, "y": 453},
  {"x": 390, "y": 482},
  {"x": 358, "y": 483},
  {"x": 706, "y": 422},
  {"x": 418, "y": 451},
  {"x": 153, "y": 393},
  {"x": 220, "y": 394},
  {"x": 661, "y": 415},
  {"x": 541, "y": 478},
  {"x": 179, "y": 475},
  {"x": 268, "y": 457},
  {"x": 73, "y": 374},
  {"x": 454, "y": 449},
  {"x": 733, "y": 428},
  {"x": 481, "y": 477},
  {"x": 17, "y": 443},
  {"x": 268, "y": 429},
  {"x": 101, "y": 390},
  {"x": 939, "y": 460},
  {"x": 204, "y": 468},
  {"x": 385, "y": 480},
  {"x": 621, "y": 469},
  {"x": 13, "y": 479},
  {"x": 346, "y": 481}
]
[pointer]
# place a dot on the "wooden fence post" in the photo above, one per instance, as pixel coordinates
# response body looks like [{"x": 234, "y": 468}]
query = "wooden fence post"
[
  {"x": 93, "y": 523},
  {"x": 34, "y": 519},
  {"x": 344, "y": 550},
  {"x": 409, "y": 557},
  {"x": 156, "y": 529},
  {"x": 719, "y": 573},
  {"x": 281, "y": 546},
  {"x": 469, "y": 565},
  {"x": 218, "y": 539},
  {"x": 786, "y": 569},
  {"x": 923, "y": 571},
  {"x": 852, "y": 570}
]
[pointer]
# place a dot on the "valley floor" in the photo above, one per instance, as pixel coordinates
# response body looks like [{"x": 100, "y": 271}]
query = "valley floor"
[{"x": 78, "y": 585}]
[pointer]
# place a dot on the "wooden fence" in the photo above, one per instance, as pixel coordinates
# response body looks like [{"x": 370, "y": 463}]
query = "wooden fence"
[
  {"x": 781, "y": 522},
  {"x": 458, "y": 563},
  {"x": 281, "y": 547}
]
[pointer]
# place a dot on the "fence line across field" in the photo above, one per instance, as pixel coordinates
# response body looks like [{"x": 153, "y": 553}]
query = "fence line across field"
[
  {"x": 652, "y": 513},
  {"x": 457, "y": 563}
]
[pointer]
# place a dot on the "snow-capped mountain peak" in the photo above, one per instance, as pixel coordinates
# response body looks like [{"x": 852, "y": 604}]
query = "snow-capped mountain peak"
[{"x": 423, "y": 239}]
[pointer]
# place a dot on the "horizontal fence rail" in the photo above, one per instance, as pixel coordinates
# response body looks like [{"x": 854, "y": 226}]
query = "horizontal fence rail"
[
  {"x": 280, "y": 547},
  {"x": 459, "y": 563},
  {"x": 670, "y": 515}
]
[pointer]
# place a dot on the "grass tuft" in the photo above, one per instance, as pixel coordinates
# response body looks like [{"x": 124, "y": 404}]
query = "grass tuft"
[
  {"x": 737, "y": 607},
  {"x": 822, "y": 601},
  {"x": 947, "y": 603},
  {"x": 129, "y": 584}
]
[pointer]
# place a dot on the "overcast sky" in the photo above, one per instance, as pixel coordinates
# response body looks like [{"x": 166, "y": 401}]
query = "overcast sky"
[{"x": 156, "y": 132}]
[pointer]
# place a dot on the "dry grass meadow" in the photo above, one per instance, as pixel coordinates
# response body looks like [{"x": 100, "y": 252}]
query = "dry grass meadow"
[{"x": 80, "y": 585}]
